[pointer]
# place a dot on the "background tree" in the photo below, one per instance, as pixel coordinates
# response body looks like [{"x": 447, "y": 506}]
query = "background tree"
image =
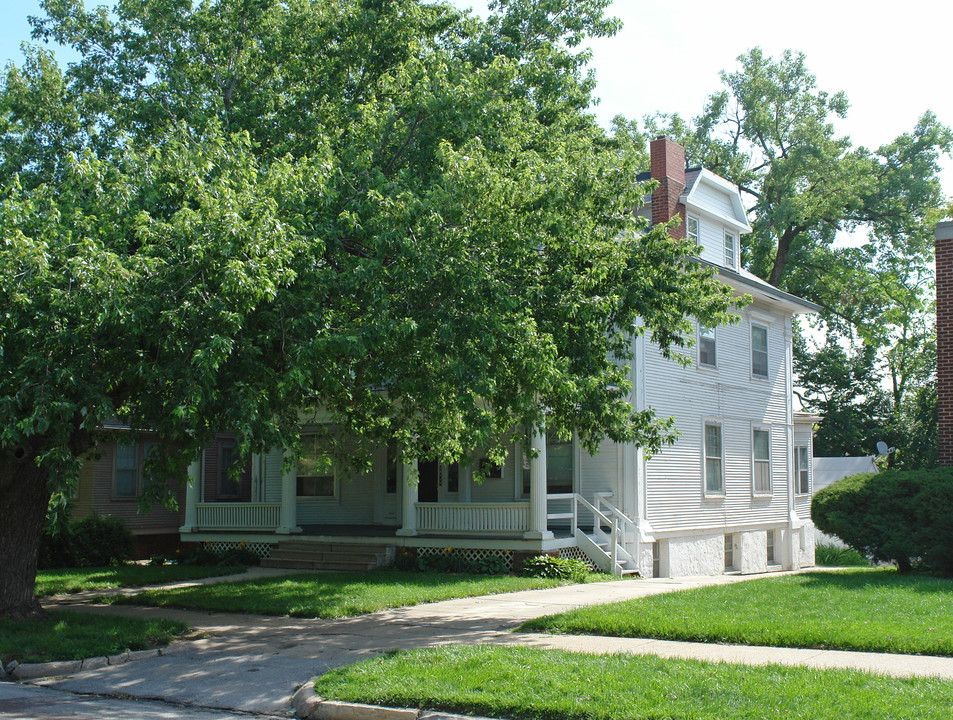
[
  {"x": 773, "y": 131},
  {"x": 392, "y": 215}
]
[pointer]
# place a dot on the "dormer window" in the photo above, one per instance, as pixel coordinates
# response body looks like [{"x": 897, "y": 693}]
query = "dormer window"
[
  {"x": 691, "y": 228},
  {"x": 731, "y": 254}
]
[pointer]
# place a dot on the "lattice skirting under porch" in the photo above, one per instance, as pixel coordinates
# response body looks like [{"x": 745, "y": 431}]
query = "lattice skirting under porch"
[
  {"x": 261, "y": 549},
  {"x": 578, "y": 554},
  {"x": 472, "y": 554}
]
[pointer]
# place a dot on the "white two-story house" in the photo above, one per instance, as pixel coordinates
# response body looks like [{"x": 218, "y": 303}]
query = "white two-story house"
[{"x": 732, "y": 494}]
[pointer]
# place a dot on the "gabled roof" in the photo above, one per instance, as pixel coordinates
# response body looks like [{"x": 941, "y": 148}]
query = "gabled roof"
[{"x": 692, "y": 197}]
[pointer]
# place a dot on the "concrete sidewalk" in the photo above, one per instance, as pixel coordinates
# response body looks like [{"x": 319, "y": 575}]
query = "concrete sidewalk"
[{"x": 254, "y": 663}]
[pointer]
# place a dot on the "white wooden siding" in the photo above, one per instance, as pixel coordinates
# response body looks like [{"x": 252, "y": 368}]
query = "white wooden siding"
[
  {"x": 598, "y": 473},
  {"x": 730, "y": 394},
  {"x": 711, "y": 236},
  {"x": 712, "y": 199},
  {"x": 355, "y": 506}
]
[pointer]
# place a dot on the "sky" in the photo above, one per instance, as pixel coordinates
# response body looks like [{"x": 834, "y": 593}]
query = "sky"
[{"x": 894, "y": 61}]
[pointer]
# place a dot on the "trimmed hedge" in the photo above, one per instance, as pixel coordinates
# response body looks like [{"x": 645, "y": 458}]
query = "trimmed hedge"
[{"x": 901, "y": 516}]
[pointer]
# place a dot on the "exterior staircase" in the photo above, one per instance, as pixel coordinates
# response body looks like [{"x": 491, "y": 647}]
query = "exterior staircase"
[
  {"x": 304, "y": 555},
  {"x": 612, "y": 542}
]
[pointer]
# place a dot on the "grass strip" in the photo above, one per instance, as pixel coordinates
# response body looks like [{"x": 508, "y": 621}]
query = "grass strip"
[
  {"x": 72, "y": 580},
  {"x": 868, "y": 610},
  {"x": 336, "y": 594},
  {"x": 534, "y": 684},
  {"x": 76, "y": 636}
]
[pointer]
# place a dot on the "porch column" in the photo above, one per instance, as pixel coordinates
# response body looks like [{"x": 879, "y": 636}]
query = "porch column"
[
  {"x": 409, "y": 483},
  {"x": 288, "y": 519},
  {"x": 192, "y": 495},
  {"x": 538, "y": 526}
]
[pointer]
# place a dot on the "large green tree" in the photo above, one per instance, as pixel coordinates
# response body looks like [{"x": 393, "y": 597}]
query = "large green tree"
[
  {"x": 773, "y": 131},
  {"x": 231, "y": 212}
]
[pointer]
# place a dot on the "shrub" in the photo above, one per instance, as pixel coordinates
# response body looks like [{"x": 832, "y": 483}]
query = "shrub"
[
  {"x": 449, "y": 560},
  {"x": 900, "y": 516},
  {"x": 547, "y": 566},
  {"x": 833, "y": 556},
  {"x": 99, "y": 540}
]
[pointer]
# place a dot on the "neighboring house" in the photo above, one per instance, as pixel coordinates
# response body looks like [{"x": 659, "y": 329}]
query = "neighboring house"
[
  {"x": 112, "y": 481},
  {"x": 828, "y": 470},
  {"x": 732, "y": 494}
]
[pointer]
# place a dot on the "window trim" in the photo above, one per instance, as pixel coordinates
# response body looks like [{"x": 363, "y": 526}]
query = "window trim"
[
  {"x": 766, "y": 429},
  {"x": 714, "y": 341},
  {"x": 335, "y": 497},
  {"x": 136, "y": 468},
  {"x": 714, "y": 493},
  {"x": 767, "y": 355},
  {"x": 733, "y": 261},
  {"x": 807, "y": 469},
  {"x": 689, "y": 219}
]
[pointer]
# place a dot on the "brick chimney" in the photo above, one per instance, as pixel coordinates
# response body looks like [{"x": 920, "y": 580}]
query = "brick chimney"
[
  {"x": 944, "y": 339},
  {"x": 668, "y": 167}
]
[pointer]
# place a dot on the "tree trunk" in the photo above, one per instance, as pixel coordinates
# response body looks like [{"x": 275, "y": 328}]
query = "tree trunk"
[
  {"x": 24, "y": 497},
  {"x": 781, "y": 256}
]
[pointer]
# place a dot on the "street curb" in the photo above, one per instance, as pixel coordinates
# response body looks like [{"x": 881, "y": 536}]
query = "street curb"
[
  {"x": 308, "y": 705},
  {"x": 62, "y": 668}
]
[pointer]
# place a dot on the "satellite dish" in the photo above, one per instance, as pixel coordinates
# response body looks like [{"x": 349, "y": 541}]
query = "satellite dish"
[{"x": 882, "y": 448}]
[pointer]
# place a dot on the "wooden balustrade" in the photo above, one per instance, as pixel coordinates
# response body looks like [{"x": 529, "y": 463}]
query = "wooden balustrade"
[
  {"x": 237, "y": 516},
  {"x": 465, "y": 518}
]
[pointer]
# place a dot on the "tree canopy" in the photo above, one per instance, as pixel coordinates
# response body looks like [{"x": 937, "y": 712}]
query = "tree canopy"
[
  {"x": 773, "y": 131},
  {"x": 230, "y": 213}
]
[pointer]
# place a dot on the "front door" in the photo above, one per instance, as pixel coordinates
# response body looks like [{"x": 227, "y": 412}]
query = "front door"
[
  {"x": 438, "y": 482},
  {"x": 429, "y": 482}
]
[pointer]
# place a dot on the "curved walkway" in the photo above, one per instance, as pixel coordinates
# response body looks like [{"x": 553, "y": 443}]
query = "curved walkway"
[{"x": 254, "y": 663}]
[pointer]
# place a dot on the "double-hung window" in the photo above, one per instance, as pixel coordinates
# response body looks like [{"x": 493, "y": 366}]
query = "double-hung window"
[
  {"x": 714, "y": 459},
  {"x": 802, "y": 477},
  {"x": 761, "y": 458},
  {"x": 129, "y": 476},
  {"x": 759, "y": 351},
  {"x": 126, "y": 480},
  {"x": 316, "y": 470},
  {"x": 707, "y": 351},
  {"x": 691, "y": 228},
  {"x": 731, "y": 250}
]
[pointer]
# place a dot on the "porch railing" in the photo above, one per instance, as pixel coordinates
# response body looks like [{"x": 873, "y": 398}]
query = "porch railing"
[
  {"x": 237, "y": 516},
  {"x": 613, "y": 538},
  {"x": 462, "y": 518}
]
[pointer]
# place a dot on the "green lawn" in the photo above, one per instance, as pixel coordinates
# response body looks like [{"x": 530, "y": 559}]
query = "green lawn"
[
  {"x": 336, "y": 595},
  {"x": 75, "y": 636},
  {"x": 536, "y": 684},
  {"x": 71, "y": 580},
  {"x": 871, "y": 610}
]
